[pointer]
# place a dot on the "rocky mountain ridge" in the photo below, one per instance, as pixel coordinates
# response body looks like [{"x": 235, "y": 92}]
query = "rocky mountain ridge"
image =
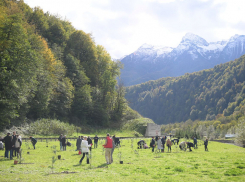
[{"x": 193, "y": 54}]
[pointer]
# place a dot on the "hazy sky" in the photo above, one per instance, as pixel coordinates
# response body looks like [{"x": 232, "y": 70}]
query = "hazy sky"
[{"x": 122, "y": 26}]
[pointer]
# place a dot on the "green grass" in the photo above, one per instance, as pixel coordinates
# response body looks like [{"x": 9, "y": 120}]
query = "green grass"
[{"x": 223, "y": 162}]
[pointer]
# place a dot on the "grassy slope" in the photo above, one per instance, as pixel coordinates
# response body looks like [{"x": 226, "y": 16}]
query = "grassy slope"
[{"x": 223, "y": 162}]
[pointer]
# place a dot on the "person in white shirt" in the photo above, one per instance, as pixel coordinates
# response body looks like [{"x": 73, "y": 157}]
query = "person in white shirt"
[
  {"x": 17, "y": 145},
  {"x": 84, "y": 149}
]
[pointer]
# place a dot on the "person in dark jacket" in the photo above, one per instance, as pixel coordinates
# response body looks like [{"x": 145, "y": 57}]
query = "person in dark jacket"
[
  {"x": 176, "y": 140},
  {"x": 163, "y": 143},
  {"x": 96, "y": 139},
  {"x": 64, "y": 143},
  {"x": 78, "y": 144},
  {"x": 195, "y": 142},
  {"x": 13, "y": 140},
  {"x": 60, "y": 140},
  {"x": 33, "y": 141},
  {"x": 206, "y": 144},
  {"x": 189, "y": 145},
  {"x": 152, "y": 144},
  {"x": 156, "y": 139},
  {"x": 116, "y": 141},
  {"x": 89, "y": 142},
  {"x": 141, "y": 144},
  {"x": 8, "y": 145}
]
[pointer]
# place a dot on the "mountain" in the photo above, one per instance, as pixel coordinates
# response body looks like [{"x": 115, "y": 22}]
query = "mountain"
[
  {"x": 192, "y": 54},
  {"x": 202, "y": 95}
]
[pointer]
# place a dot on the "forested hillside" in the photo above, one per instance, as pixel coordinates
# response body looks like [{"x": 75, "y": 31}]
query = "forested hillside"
[
  {"x": 48, "y": 69},
  {"x": 198, "y": 96}
]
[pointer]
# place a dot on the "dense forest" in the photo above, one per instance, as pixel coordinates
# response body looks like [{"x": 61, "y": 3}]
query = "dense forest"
[
  {"x": 48, "y": 69},
  {"x": 204, "y": 95}
]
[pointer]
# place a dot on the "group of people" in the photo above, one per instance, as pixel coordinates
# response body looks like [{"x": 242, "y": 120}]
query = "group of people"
[
  {"x": 84, "y": 144},
  {"x": 63, "y": 143},
  {"x": 81, "y": 138},
  {"x": 13, "y": 145},
  {"x": 183, "y": 145}
]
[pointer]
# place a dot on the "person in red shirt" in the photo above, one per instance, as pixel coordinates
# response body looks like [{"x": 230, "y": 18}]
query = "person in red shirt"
[{"x": 108, "y": 147}]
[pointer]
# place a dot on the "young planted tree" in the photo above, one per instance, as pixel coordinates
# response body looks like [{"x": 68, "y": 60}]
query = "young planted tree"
[{"x": 240, "y": 133}]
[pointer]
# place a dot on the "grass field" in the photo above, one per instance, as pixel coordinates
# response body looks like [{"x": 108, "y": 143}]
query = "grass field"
[{"x": 223, "y": 162}]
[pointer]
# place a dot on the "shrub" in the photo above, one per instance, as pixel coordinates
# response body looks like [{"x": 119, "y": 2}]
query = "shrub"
[
  {"x": 139, "y": 125},
  {"x": 51, "y": 127}
]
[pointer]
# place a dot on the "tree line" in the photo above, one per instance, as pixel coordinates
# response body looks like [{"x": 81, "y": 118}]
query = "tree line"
[{"x": 48, "y": 69}]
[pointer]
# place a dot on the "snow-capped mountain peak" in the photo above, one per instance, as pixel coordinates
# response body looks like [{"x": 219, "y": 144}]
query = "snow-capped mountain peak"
[
  {"x": 194, "y": 39},
  {"x": 150, "y": 62},
  {"x": 149, "y": 50}
]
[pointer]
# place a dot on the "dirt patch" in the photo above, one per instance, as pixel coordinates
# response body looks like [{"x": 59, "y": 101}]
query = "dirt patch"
[{"x": 65, "y": 172}]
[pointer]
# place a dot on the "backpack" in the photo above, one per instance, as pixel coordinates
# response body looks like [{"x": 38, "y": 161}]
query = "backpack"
[{"x": 1, "y": 145}]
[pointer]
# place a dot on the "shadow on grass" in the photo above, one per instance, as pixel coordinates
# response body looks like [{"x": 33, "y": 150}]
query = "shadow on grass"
[
  {"x": 77, "y": 165},
  {"x": 103, "y": 166},
  {"x": 5, "y": 159}
]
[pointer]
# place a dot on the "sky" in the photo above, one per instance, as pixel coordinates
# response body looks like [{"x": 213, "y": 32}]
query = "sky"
[{"x": 122, "y": 26}]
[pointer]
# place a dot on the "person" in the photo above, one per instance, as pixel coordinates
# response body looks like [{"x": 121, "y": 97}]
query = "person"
[
  {"x": 33, "y": 141},
  {"x": 163, "y": 143},
  {"x": 176, "y": 140},
  {"x": 156, "y": 139},
  {"x": 78, "y": 144},
  {"x": 17, "y": 145},
  {"x": 13, "y": 140},
  {"x": 89, "y": 142},
  {"x": 60, "y": 139},
  {"x": 141, "y": 144},
  {"x": 195, "y": 142},
  {"x": 169, "y": 144},
  {"x": 64, "y": 142},
  {"x": 152, "y": 144},
  {"x": 159, "y": 144},
  {"x": 146, "y": 146},
  {"x": 173, "y": 142},
  {"x": 206, "y": 144},
  {"x": 84, "y": 149},
  {"x": 8, "y": 145},
  {"x": 96, "y": 138},
  {"x": 189, "y": 145},
  {"x": 113, "y": 147},
  {"x": 116, "y": 140},
  {"x": 182, "y": 146},
  {"x": 108, "y": 147}
]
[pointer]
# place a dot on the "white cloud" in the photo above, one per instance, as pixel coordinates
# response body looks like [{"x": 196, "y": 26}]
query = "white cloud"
[{"x": 122, "y": 26}]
